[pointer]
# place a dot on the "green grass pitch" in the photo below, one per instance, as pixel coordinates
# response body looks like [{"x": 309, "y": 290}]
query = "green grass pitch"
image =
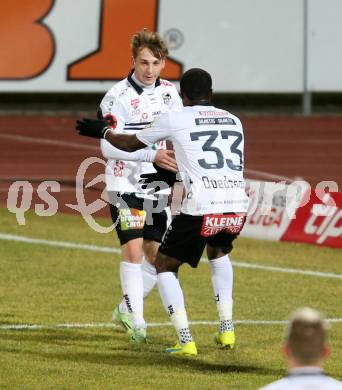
[{"x": 50, "y": 286}]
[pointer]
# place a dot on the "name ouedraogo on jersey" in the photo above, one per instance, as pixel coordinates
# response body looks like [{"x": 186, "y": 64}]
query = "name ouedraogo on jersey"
[
  {"x": 208, "y": 144},
  {"x": 129, "y": 108}
]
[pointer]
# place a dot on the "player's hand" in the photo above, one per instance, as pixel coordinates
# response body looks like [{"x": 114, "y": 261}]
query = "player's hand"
[
  {"x": 92, "y": 128},
  {"x": 157, "y": 181},
  {"x": 166, "y": 159}
]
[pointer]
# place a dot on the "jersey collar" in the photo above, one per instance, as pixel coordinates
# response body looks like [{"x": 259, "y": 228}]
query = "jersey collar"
[
  {"x": 201, "y": 103},
  {"x": 137, "y": 87},
  {"x": 303, "y": 371}
]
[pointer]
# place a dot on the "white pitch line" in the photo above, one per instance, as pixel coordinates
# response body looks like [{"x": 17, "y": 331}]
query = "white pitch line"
[
  {"x": 243, "y": 264},
  {"x": 58, "y": 244},
  {"x": 106, "y": 249},
  {"x": 104, "y": 325}
]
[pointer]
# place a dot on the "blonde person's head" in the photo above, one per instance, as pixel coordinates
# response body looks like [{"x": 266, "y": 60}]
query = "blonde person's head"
[
  {"x": 150, "y": 40},
  {"x": 306, "y": 336}
]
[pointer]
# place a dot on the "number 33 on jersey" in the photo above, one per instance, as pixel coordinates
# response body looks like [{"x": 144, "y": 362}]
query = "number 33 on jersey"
[{"x": 208, "y": 144}]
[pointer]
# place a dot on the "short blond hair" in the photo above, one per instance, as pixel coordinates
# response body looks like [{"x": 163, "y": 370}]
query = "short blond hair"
[
  {"x": 152, "y": 41},
  {"x": 306, "y": 335}
]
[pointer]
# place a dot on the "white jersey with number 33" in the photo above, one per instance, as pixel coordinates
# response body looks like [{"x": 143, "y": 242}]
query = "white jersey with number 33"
[{"x": 208, "y": 144}]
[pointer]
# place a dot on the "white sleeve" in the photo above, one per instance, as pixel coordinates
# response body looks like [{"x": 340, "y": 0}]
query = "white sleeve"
[
  {"x": 110, "y": 152},
  {"x": 160, "y": 130}
]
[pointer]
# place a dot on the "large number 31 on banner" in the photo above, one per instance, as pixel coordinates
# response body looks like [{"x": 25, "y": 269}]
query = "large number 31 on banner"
[{"x": 27, "y": 45}]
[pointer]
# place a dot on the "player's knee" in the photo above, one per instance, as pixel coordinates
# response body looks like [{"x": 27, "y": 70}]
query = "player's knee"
[
  {"x": 150, "y": 250},
  {"x": 132, "y": 251},
  {"x": 214, "y": 252},
  {"x": 166, "y": 264}
]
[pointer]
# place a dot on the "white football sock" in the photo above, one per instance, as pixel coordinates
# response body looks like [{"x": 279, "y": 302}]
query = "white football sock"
[
  {"x": 132, "y": 288},
  {"x": 149, "y": 274},
  {"x": 222, "y": 281},
  {"x": 173, "y": 300},
  {"x": 122, "y": 305}
]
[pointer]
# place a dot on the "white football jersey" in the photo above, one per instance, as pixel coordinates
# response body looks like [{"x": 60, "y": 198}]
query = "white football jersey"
[
  {"x": 305, "y": 378},
  {"x": 208, "y": 144},
  {"x": 129, "y": 108}
]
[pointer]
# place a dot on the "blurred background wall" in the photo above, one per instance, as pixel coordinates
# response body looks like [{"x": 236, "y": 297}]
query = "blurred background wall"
[{"x": 265, "y": 53}]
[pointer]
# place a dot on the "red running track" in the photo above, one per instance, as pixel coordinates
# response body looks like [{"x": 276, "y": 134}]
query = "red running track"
[{"x": 38, "y": 148}]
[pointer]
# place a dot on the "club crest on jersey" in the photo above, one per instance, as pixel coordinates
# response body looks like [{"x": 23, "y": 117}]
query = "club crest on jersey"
[
  {"x": 135, "y": 103},
  {"x": 144, "y": 115},
  {"x": 166, "y": 98},
  {"x": 227, "y": 223},
  {"x": 111, "y": 120}
]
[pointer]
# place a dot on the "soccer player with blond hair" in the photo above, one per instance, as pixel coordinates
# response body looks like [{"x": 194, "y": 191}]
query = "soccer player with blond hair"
[{"x": 128, "y": 107}]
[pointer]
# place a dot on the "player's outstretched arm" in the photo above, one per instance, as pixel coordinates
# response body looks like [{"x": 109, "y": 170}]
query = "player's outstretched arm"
[{"x": 99, "y": 129}]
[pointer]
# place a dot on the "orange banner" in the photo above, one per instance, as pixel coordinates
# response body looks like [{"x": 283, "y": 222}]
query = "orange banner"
[
  {"x": 112, "y": 60},
  {"x": 26, "y": 44}
]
